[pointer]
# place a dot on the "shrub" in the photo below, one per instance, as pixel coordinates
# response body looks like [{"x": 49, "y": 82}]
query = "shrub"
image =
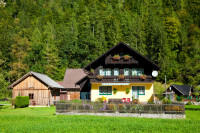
[
  {"x": 151, "y": 100},
  {"x": 21, "y": 101},
  {"x": 127, "y": 90},
  {"x": 115, "y": 91},
  {"x": 166, "y": 101},
  {"x": 179, "y": 98},
  {"x": 189, "y": 103}
]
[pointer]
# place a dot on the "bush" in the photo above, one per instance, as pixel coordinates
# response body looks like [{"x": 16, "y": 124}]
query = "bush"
[
  {"x": 151, "y": 100},
  {"x": 166, "y": 101},
  {"x": 21, "y": 101},
  {"x": 189, "y": 103},
  {"x": 179, "y": 98}
]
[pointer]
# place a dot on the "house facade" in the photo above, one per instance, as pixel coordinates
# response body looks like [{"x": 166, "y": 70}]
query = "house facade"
[{"x": 120, "y": 73}]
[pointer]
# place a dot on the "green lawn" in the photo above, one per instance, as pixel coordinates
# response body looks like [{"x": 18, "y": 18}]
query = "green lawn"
[
  {"x": 43, "y": 120},
  {"x": 4, "y": 102}
]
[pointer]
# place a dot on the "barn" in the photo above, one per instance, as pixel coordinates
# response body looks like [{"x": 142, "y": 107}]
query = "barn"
[{"x": 41, "y": 89}]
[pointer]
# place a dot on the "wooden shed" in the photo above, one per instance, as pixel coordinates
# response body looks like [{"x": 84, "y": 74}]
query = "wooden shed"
[{"x": 41, "y": 89}]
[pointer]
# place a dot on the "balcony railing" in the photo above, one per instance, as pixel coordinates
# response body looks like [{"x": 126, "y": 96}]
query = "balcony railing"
[{"x": 115, "y": 79}]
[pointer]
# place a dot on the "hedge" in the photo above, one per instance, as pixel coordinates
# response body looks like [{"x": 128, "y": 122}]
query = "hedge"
[{"x": 21, "y": 101}]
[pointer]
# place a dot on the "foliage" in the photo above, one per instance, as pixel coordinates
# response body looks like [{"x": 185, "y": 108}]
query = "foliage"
[
  {"x": 189, "y": 103},
  {"x": 121, "y": 77},
  {"x": 92, "y": 71},
  {"x": 151, "y": 100},
  {"x": 127, "y": 90},
  {"x": 116, "y": 57},
  {"x": 50, "y": 36},
  {"x": 103, "y": 99},
  {"x": 179, "y": 98},
  {"x": 143, "y": 76},
  {"x": 166, "y": 101},
  {"x": 100, "y": 77},
  {"x": 126, "y": 57},
  {"x": 21, "y": 101},
  {"x": 115, "y": 91}
]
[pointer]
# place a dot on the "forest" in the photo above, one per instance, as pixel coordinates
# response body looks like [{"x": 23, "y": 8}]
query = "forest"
[{"x": 48, "y": 36}]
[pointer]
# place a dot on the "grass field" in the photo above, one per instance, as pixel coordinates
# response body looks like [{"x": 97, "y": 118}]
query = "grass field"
[
  {"x": 4, "y": 102},
  {"x": 40, "y": 119}
]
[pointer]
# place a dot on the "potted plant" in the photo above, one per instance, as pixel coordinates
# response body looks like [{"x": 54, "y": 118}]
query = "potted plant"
[
  {"x": 143, "y": 76},
  {"x": 115, "y": 91},
  {"x": 99, "y": 77},
  {"x": 121, "y": 77},
  {"x": 127, "y": 90},
  {"x": 92, "y": 71},
  {"x": 116, "y": 57},
  {"x": 126, "y": 57}
]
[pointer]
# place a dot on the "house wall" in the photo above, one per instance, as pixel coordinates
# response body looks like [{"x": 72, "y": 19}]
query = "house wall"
[
  {"x": 121, "y": 91},
  {"x": 42, "y": 94},
  {"x": 72, "y": 95}
]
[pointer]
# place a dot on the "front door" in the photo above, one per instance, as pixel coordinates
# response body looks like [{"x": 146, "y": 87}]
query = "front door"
[{"x": 135, "y": 92}]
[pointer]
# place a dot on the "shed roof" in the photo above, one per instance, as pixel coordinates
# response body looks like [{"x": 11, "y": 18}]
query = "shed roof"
[
  {"x": 72, "y": 76},
  {"x": 183, "y": 89},
  {"x": 44, "y": 78}
]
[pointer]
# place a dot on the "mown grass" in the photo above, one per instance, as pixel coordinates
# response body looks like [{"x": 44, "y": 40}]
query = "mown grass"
[
  {"x": 43, "y": 120},
  {"x": 4, "y": 102}
]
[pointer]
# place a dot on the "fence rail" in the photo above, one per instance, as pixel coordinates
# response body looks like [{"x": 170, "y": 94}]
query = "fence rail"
[{"x": 120, "y": 108}]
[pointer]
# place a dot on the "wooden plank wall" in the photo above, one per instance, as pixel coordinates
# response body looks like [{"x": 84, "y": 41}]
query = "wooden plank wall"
[
  {"x": 72, "y": 95},
  {"x": 31, "y": 85}
]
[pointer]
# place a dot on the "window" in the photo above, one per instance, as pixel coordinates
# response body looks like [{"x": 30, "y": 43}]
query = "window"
[
  {"x": 126, "y": 71},
  {"x": 105, "y": 90},
  {"x": 137, "y": 71},
  {"x": 141, "y": 90},
  {"x": 31, "y": 96},
  {"x": 108, "y": 72},
  {"x": 134, "y": 71},
  {"x": 116, "y": 72},
  {"x": 101, "y": 71},
  {"x": 140, "y": 71}
]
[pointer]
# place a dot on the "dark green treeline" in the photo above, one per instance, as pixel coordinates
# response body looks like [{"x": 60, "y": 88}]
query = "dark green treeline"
[{"x": 48, "y": 36}]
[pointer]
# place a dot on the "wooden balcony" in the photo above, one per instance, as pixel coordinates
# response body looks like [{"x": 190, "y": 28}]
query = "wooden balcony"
[
  {"x": 111, "y": 60},
  {"x": 128, "y": 79}
]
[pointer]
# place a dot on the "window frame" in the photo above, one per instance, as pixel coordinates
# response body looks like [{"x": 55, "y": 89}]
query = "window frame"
[
  {"x": 128, "y": 72},
  {"x": 107, "y": 90}
]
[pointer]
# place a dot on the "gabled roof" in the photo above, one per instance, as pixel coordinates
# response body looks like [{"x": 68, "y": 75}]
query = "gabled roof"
[
  {"x": 72, "y": 76},
  {"x": 44, "y": 78},
  {"x": 183, "y": 89},
  {"x": 126, "y": 45}
]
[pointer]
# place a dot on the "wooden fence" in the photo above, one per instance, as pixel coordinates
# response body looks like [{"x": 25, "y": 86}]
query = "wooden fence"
[{"x": 120, "y": 108}]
